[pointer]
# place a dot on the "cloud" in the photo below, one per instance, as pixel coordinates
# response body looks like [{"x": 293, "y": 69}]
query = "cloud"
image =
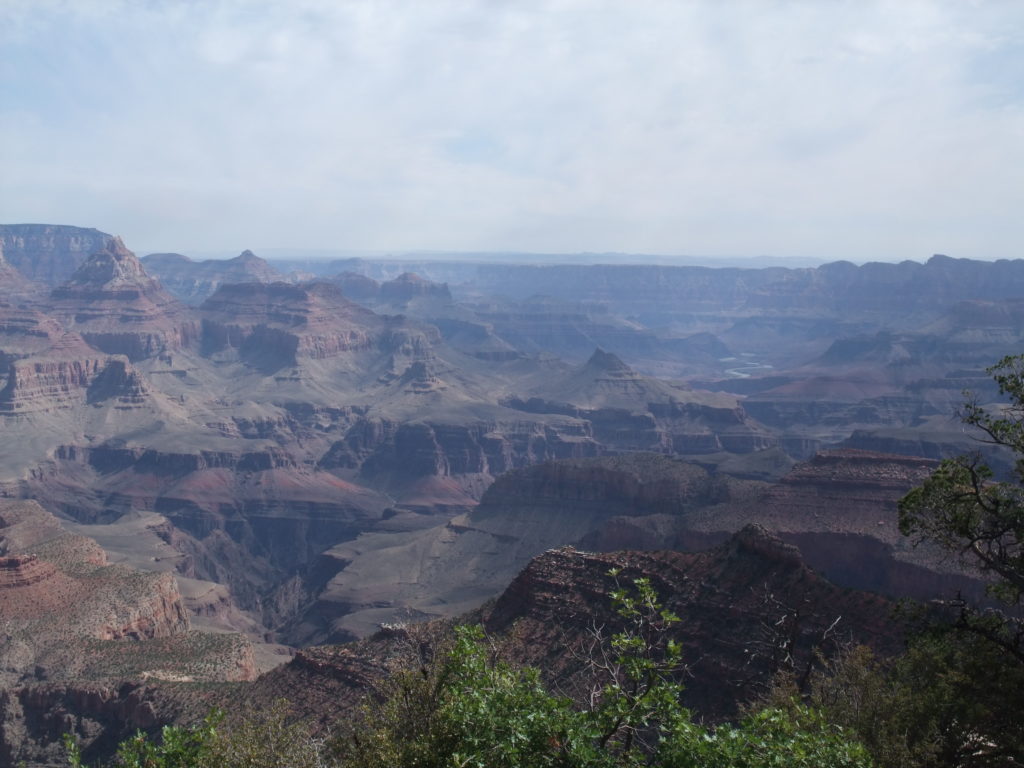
[{"x": 847, "y": 130}]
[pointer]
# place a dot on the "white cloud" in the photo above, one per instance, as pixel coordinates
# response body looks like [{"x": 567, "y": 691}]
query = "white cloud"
[{"x": 844, "y": 129}]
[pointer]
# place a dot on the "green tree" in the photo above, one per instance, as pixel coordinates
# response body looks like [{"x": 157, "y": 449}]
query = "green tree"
[
  {"x": 960, "y": 507},
  {"x": 955, "y": 697}
]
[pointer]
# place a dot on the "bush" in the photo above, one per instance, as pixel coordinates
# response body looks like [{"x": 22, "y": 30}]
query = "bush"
[{"x": 470, "y": 709}]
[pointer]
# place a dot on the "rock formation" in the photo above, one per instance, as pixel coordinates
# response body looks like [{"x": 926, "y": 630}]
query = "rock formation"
[
  {"x": 63, "y": 606},
  {"x": 409, "y": 286},
  {"x": 454, "y": 567},
  {"x": 745, "y": 607},
  {"x": 49, "y": 253},
  {"x": 193, "y": 282},
  {"x": 118, "y": 309},
  {"x": 637, "y": 412},
  {"x": 269, "y": 326}
]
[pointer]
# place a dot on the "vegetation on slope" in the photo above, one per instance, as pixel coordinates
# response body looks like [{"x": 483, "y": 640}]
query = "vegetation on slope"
[{"x": 471, "y": 709}]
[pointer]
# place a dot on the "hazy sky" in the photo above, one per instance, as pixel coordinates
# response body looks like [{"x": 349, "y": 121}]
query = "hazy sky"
[{"x": 832, "y": 129}]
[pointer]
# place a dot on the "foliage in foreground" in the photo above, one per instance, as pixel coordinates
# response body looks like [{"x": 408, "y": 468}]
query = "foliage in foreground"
[
  {"x": 473, "y": 710},
  {"x": 949, "y": 700}
]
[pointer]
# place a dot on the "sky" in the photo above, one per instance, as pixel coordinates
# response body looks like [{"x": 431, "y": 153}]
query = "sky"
[{"x": 829, "y": 129}]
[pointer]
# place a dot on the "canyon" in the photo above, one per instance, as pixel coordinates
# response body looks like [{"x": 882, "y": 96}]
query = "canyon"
[{"x": 244, "y": 464}]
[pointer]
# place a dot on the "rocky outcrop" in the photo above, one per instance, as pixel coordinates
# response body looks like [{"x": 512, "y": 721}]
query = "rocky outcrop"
[
  {"x": 193, "y": 282},
  {"x": 55, "y": 594},
  {"x": 356, "y": 287},
  {"x": 409, "y": 286},
  {"x": 24, "y": 571},
  {"x": 25, "y": 332},
  {"x": 36, "y": 385},
  {"x": 49, "y": 253},
  {"x": 748, "y": 608},
  {"x": 118, "y": 309},
  {"x": 271, "y": 326}
]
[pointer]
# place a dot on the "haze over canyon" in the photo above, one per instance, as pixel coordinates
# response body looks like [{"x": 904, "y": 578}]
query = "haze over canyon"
[{"x": 216, "y": 470}]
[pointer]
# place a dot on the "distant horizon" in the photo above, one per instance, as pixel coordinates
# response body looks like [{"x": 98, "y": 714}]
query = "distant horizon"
[
  {"x": 870, "y": 131},
  {"x": 504, "y": 256}
]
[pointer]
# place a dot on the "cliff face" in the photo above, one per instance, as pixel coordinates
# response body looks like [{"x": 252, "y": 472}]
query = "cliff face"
[
  {"x": 49, "y": 253},
  {"x": 271, "y": 326},
  {"x": 15, "y": 283},
  {"x": 409, "y": 286},
  {"x": 840, "y": 509},
  {"x": 245, "y": 515},
  {"x": 118, "y": 309},
  {"x": 384, "y": 446},
  {"x": 39, "y": 385},
  {"x": 37, "y": 717},
  {"x": 356, "y": 287},
  {"x": 25, "y": 332}
]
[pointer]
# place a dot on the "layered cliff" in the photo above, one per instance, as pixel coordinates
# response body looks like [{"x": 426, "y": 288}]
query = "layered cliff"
[
  {"x": 49, "y": 253},
  {"x": 270, "y": 326},
  {"x": 76, "y": 628},
  {"x": 118, "y": 309},
  {"x": 409, "y": 286},
  {"x": 45, "y": 384},
  {"x": 634, "y": 412},
  {"x": 26, "y": 332},
  {"x": 840, "y": 508},
  {"x": 749, "y": 608}
]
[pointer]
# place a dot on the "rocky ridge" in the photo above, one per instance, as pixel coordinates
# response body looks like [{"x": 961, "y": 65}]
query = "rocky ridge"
[{"x": 193, "y": 282}]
